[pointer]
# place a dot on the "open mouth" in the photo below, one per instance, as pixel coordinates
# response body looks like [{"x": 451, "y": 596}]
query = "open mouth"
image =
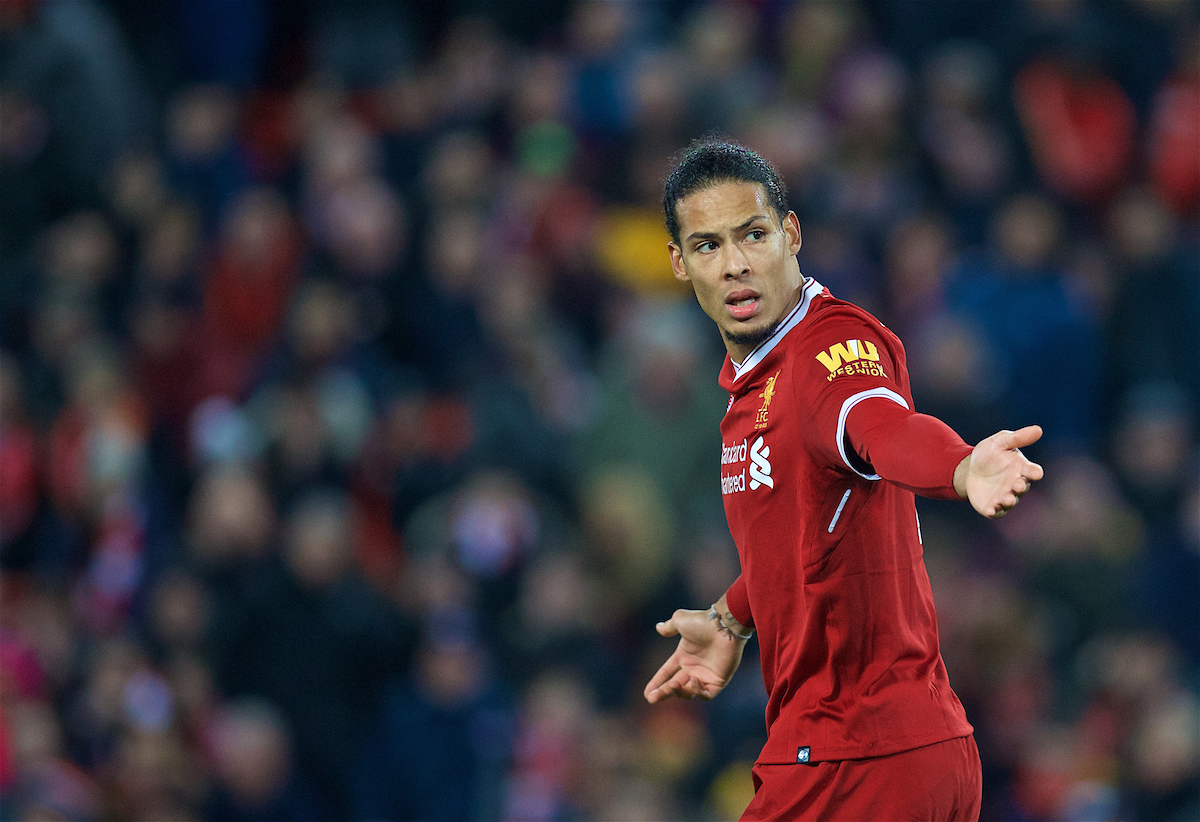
[{"x": 743, "y": 304}]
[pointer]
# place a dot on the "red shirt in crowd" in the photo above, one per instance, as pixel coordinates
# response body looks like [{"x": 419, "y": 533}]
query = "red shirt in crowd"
[{"x": 821, "y": 454}]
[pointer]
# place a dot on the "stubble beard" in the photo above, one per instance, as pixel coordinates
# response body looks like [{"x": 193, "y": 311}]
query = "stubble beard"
[{"x": 752, "y": 338}]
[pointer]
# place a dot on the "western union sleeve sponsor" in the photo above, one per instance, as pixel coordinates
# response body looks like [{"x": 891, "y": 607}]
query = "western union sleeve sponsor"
[
  {"x": 849, "y": 351},
  {"x": 852, "y": 357}
]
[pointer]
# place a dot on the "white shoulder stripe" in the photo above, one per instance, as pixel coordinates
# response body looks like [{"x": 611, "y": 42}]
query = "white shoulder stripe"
[
  {"x": 852, "y": 401},
  {"x": 811, "y": 289}
]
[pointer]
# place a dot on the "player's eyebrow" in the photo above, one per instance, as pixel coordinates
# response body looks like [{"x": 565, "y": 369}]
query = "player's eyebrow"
[{"x": 709, "y": 235}]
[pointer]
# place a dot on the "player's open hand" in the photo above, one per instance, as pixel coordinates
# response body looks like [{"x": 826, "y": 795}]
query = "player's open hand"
[
  {"x": 702, "y": 664},
  {"x": 996, "y": 474}
]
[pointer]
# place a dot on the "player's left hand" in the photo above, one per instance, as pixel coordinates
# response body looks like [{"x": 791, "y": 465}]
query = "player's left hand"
[{"x": 996, "y": 474}]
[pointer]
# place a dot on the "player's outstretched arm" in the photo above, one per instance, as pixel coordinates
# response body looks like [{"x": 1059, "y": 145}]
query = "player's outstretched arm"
[
  {"x": 996, "y": 474},
  {"x": 708, "y": 654}
]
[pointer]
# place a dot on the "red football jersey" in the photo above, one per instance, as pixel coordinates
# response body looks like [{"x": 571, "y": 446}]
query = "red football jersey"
[{"x": 832, "y": 572}]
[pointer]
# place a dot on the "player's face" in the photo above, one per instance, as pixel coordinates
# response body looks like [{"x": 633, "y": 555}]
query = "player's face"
[{"x": 740, "y": 259}]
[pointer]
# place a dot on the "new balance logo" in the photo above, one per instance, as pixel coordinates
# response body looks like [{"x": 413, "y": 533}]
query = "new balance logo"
[{"x": 760, "y": 467}]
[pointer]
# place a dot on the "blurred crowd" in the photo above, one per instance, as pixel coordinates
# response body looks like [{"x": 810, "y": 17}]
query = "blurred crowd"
[{"x": 354, "y": 433}]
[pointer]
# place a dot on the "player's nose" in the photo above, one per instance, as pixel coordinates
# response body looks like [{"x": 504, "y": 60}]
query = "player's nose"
[{"x": 734, "y": 262}]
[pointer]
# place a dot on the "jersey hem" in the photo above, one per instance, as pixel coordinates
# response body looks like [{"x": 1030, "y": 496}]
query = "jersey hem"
[{"x": 788, "y": 757}]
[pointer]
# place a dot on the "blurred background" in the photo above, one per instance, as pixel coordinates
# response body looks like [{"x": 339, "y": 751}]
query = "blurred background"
[{"x": 354, "y": 434}]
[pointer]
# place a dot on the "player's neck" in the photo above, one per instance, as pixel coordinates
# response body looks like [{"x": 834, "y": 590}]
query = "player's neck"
[{"x": 742, "y": 347}]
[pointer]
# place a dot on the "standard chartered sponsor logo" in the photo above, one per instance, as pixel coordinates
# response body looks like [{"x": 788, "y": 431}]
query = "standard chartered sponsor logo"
[
  {"x": 733, "y": 453},
  {"x": 759, "y": 468},
  {"x": 732, "y": 483}
]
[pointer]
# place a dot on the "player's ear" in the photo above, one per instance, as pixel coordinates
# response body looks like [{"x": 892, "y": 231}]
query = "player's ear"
[
  {"x": 791, "y": 229},
  {"x": 677, "y": 263}
]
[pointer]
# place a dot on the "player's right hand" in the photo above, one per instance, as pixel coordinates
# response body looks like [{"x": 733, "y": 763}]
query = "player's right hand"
[{"x": 702, "y": 664}]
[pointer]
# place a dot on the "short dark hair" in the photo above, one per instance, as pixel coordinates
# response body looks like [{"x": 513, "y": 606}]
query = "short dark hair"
[{"x": 710, "y": 161}]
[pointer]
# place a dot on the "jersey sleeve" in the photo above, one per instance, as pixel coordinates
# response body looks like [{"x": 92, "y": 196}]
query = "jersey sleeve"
[
  {"x": 915, "y": 451},
  {"x": 853, "y": 371},
  {"x": 737, "y": 599}
]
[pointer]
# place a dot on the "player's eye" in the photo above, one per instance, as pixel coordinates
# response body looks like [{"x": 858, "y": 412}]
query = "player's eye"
[
  {"x": 704, "y": 248},
  {"x": 757, "y": 234}
]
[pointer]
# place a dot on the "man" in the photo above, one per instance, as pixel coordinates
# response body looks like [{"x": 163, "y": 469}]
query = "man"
[{"x": 821, "y": 455}]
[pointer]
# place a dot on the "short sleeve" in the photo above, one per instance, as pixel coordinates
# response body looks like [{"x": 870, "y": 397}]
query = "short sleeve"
[{"x": 847, "y": 358}]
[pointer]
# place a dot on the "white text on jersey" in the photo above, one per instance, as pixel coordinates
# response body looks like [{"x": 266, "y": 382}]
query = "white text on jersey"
[{"x": 760, "y": 466}]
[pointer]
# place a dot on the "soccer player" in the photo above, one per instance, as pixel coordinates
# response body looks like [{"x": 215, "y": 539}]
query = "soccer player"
[{"x": 822, "y": 452}]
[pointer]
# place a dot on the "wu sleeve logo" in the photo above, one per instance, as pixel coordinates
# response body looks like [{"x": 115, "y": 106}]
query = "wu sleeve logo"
[
  {"x": 760, "y": 467},
  {"x": 859, "y": 357}
]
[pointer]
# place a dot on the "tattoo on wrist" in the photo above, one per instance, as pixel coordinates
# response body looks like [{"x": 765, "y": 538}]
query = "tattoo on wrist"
[{"x": 724, "y": 624}]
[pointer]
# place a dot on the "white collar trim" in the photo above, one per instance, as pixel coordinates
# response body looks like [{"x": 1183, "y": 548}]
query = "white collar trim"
[{"x": 811, "y": 289}]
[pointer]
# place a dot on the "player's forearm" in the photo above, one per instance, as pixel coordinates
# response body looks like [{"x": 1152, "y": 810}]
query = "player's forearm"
[
  {"x": 960, "y": 476},
  {"x": 729, "y": 621},
  {"x": 915, "y": 451},
  {"x": 736, "y": 603}
]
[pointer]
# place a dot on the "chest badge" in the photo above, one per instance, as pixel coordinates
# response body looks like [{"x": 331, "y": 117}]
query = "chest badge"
[{"x": 768, "y": 392}]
